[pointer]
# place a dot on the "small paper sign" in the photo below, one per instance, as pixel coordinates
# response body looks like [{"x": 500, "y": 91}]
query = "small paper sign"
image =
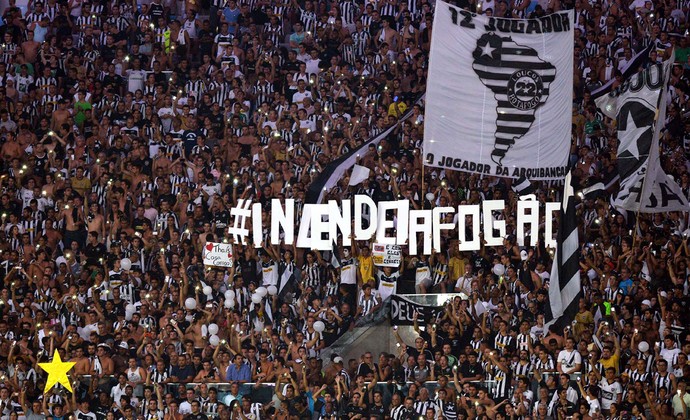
[
  {"x": 218, "y": 254},
  {"x": 387, "y": 255}
]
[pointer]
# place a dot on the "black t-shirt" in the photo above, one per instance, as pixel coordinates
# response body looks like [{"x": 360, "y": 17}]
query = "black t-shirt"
[
  {"x": 189, "y": 140},
  {"x": 353, "y": 410},
  {"x": 94, "y": 252},
  {"x": 479, "y": 263},
  {"x": 469, "y": 370}
]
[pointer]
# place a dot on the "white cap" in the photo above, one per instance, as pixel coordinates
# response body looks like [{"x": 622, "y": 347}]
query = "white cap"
[
  {"x": 338, "y": 360},
  {"x": 523, "y": 255},
  {"x": 647, "y": 302}
]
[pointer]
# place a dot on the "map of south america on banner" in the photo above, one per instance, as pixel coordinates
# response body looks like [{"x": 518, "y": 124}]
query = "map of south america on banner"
[{"x": 499, "y": 94}]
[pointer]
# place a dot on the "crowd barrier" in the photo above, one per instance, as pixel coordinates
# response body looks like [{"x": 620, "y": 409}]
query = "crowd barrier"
[{"x": 264, "y": 392}]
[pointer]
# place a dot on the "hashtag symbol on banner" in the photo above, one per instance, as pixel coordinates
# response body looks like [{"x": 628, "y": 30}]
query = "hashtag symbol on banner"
[{"x": 241, "y": 213}]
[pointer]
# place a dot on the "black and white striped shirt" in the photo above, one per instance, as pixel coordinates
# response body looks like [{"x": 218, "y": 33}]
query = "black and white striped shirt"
[
  {"x": 660, "y": 381},
  {"x": 421, "y": 406},
  {"x": 119, "y": 22},
  {"x": 637, "y": 375},
  {"x": 520, "y": 369},
  {"x": 30, "y": 227},
  {"x": 348, "y": 10}
]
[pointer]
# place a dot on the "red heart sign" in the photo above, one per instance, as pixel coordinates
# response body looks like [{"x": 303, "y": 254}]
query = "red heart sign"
[
  {"x": 209, "y": 246},
  {"x": 229, "y": 255}
]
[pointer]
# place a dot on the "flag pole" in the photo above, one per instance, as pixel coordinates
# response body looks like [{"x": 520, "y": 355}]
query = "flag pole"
[
  {"x": 423, "y": 190},
  {"x": 655, "y": 138}
]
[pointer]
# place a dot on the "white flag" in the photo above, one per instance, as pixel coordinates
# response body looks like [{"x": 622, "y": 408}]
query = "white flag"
[
  {"x": 639, "y": 108},
  {"x": 496, "y": 94},
  {"x": 359, "y": 174}
]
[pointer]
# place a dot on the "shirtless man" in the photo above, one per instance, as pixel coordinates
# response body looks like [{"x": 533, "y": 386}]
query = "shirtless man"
[
  {"x": 135, "y": 175},
  {"x": 60, "y": 115},
  {"x": 193, "y": 333},
  {"x": 30, "y": 47},
  {"x": 11, "y": 149},
  {"x": 26, "y": 136},
  {"x": 83, "y": 365},
  {"x": 74, "y": 222},
  {"x": 387, "y": 35},
  {"x": 52, "y": 235},
  {"x": 95, "y": 221}
]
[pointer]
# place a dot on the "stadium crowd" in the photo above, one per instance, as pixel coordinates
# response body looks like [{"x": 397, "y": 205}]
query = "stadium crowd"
[{"x": 130, "y": 129}]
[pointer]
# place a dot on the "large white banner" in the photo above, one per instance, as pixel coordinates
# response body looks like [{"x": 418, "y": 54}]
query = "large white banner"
[
  {"x": 499, "y": 94},
  {"x": 639, "y": 108}
]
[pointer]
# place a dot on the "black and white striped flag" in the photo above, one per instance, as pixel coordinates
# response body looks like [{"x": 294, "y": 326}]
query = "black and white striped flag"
[
  {"x": 632, "y": 67},
  {"x": 520, "y": 82},
  {"x": 336, "y": 169},
  {"x": 565, "y": 287},
  {"x": 523, "y": 186}
]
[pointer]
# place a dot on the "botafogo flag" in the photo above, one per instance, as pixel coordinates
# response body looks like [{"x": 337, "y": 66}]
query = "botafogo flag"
[
  {"x": 565, "y": 286},
  {"x": 639, "y": 107},
  {"x": 496, "y": 94}
]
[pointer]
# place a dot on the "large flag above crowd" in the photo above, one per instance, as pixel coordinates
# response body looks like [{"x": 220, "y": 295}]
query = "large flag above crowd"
[
  {"x": 496, "y": 94},
  {"x": 639, "y": 108}
]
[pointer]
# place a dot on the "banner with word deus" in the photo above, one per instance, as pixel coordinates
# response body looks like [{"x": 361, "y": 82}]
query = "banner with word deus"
[
  {"x": 386, "y": 255},
  {"x": 403, "y": 310},
  {"x": 218, "y": 254},
  {"x": 498, "y": 92}
]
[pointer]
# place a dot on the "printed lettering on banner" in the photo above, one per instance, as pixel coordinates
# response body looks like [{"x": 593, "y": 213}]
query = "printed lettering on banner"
[
  {"x": 403, "y": 311},
  {"x": 218, "y": 254},
  {"x": 386, "y": 255}
]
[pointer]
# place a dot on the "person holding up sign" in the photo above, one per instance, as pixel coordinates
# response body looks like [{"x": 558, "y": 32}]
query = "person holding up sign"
[{"x": 388, "y": 280}]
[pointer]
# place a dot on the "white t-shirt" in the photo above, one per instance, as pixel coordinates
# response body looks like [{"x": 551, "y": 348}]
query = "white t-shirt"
[
  {"x": 594, "y": 406},
  {"x": 298, "y": 97},
  {"x": 609, "y": 393},
  {"x": 568, "y": 359}
]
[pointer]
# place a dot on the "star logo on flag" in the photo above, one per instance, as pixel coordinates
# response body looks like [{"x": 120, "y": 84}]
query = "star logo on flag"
[
  {"x": 635, "y": 122},
  {"x": 488, "y": 50},
  {"x": 635, "y": 132}
]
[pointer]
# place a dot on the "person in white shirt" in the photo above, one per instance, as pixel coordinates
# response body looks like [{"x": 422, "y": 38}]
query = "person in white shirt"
[
  {"x": 464, "y": 283},
  {"x": 118, "y": 390},
  {"x": 669, "y": 351},
  {"x": 569, "y": 360},
  {"x": 681, "y": 397},
  {"x": 611, "y": 390},
  {"x": 301, "y": 93}
]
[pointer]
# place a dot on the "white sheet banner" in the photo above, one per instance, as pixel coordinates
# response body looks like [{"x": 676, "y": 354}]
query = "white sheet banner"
[
  {"x": 218, "y": 254},
  {"x": 386, "y": 255},
  {"x": 639, "y": 107},
  {"x": 499, "y": 93}
]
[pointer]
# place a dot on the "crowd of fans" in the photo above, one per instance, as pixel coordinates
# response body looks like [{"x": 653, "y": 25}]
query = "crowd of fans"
[{"x": 130, "y": 129}]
